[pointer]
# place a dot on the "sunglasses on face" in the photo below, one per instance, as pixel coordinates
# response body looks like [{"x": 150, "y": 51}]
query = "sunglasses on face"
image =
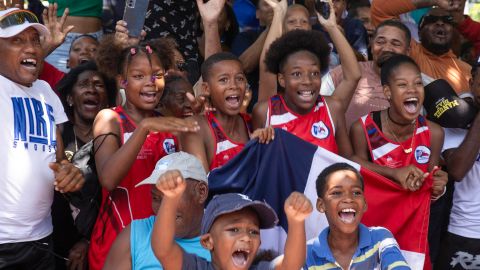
[
  {"x": 428, "y": 19},
  {"x": 17, "y": 17}
]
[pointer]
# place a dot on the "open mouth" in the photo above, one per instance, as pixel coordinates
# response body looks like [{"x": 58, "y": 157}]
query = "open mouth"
[
  {"x": 347, "y": 215},
  {"x": 306, "y": 95},
  {"x": 149, "y": 96},
  {"x": 411, "y": 105},
  {"x": 233, "y": 101},
  {"x": 91, "y": 103},
  {"x": 83, "y": 60},
  {"x": 240, "y": 257},
  {"x": 29, "y": 63},
  {"x": 440, "y": 33}
]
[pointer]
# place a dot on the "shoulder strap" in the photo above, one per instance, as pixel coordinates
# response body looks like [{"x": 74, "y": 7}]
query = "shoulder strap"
[{"x": 105, "y": 135}]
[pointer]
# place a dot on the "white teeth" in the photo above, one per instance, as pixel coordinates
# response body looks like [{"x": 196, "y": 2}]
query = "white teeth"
[
  {"x": 348, "y": 210},
  {"x": 411, "y": 99}
]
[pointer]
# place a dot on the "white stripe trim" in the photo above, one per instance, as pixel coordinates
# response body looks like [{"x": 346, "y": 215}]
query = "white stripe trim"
[
  {"x": 383, "y": 150},
  {"x": 330, "y": 116},
  {"x": 414, "y": 259},
  {"x": 387, "y": 243},
  {"x": 224, "y": 146},
  {"x": 421, "y": 129},
  {"x": 282, "y": 119}
]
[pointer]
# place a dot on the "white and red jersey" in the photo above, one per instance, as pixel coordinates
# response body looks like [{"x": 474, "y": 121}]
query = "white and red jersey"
[
  {"x": 391, "y": 154},
  {"x": 127, "y": 202},
  {"x": 225, "y": 148},
  {"x": 315, "y": 127}
]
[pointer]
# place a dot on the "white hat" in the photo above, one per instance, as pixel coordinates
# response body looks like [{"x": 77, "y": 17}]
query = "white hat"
[
  {"x": 188, "y": 165},
  {"x": 15, "y": 28}
]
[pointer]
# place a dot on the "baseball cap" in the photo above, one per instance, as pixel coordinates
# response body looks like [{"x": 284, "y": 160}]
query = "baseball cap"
[
  {"x": 233, "y": 202},
  {"x": 188, "y": 165},
  {"x": 445, "y": 107},
  {"x": 13, "y": 21}
]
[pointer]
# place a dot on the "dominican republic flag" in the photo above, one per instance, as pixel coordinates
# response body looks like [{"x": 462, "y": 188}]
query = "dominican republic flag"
[{"x": 270, "y": 172}]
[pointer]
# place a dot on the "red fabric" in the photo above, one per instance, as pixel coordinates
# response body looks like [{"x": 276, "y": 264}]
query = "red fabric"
[
  {"x": 225, "y": 148},
  {"x": 315, "y": 127},
  {"x": 396, "y": 157},
  {"x": 470, "y": 29},
  {"x": 51, "y": 75},
  {"x": 127, "y": 202},
  {"x": 404, "y": 213}
]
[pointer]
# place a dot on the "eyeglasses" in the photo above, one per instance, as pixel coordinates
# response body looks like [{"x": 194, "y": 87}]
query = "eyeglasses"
[
  {"x": 17, "y": 17},
  {"x": 428, "y": 19}
]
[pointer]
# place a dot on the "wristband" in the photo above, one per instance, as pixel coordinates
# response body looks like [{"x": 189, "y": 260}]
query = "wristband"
[{"x": 434, "y": 198}]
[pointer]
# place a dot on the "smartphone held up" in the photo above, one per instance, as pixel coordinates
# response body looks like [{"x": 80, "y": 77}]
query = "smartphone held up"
[
  {"x": 134, "y": 14},
  {"x": 323, "y": 7}
]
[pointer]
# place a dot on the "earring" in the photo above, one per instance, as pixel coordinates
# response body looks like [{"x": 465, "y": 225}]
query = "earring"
[{"x": 70, "y": 104}]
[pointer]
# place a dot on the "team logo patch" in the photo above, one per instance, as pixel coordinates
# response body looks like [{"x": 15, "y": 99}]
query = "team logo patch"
[
  {"x": 422, "y": 154},
  {"x": 169, "y": 146},
  {"x": 320, "y": 130}
]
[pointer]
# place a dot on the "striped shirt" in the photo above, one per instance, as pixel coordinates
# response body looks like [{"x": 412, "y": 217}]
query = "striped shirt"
[{"x": 377, "y": 249}]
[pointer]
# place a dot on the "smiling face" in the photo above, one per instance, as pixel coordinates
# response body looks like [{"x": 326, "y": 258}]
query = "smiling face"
[
  {"x": 83, "y": 49},
  {"x": 88, "y": 96},
  {"x": 233, "y": 239},
  {"x": 296, "y": 18},
  {"x": 406, "y": 93},
  {"x": 436, "y": 31},
  {"x": 21, "y": 57},
  {"x": 144, "y": 82},
  {"x": 388, "y": 41},
  {"x": 190, "y": 208},
  {"x": 301, "y": 78},
  {"x": 226, "y": 85},
  {"x": 343, "y": 201}
]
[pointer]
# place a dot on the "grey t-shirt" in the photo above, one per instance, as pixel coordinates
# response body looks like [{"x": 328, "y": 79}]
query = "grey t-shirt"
[{"x": 193, "y": 262}]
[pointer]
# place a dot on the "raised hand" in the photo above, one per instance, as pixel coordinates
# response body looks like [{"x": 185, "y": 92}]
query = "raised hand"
[
  {"x": 440, "y": 179},
  {"x": 57, "y": 28},
  {"x": 450, "y": 5},
  {"x": 331, "y": 22},
  {"x": 123, "y": 39},
  {"x": 170, "y": 124},
  {"x": 410, "y": 177},
  {"x": 68, "y": 178},
  {"x": 6, "y": 4},
  {"x": 210, "y": 11},
  {"x": 264, "y": 135},
  {"x": 200, "y": 103},
  {"x": 171, "y": 184},
  {"x": 278, "y": 6},
  {"x": 297, "y": 207}
]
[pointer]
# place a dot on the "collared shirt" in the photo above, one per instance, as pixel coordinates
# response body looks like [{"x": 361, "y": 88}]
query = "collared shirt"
[{"x": 377, "y": 249}]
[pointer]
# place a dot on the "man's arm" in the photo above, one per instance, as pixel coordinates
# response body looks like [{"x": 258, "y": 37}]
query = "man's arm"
[
  {"x": 119, "y": 257},
  {"x": 250, "y": 58},
  {"x": 460, "y": 160}
]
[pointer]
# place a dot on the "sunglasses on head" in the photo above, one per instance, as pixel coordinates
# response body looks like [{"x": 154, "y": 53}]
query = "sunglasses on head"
[
  {"x": 428, "y": 19},
  {"x": 17, "y": 17}
]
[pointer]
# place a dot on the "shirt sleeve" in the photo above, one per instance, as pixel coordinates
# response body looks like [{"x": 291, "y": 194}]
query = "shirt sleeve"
[
  {"x": 390, "y": 255},
  {"x": 383, "y": 10}
]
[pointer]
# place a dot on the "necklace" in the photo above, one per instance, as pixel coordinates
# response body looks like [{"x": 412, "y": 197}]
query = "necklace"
[
  {"x": 398, "y": 123},
  {"x": 408, "y": 150}
]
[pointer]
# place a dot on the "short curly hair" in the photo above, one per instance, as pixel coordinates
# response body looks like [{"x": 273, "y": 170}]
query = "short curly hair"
[{"x": 295, "y": 41}]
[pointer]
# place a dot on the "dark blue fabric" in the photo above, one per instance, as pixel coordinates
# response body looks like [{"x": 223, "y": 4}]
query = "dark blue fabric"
[{"x": 268, "y": 172}]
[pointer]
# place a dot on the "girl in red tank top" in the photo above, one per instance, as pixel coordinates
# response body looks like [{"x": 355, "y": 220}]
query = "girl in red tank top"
[{"x": 141, "y": 138}]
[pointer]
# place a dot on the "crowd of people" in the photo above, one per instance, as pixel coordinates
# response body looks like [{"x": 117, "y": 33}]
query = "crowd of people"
[{"x": 391, "y": 85}]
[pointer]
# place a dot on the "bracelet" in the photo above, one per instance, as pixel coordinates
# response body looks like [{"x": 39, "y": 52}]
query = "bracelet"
[{"x": 434, "y": 198}]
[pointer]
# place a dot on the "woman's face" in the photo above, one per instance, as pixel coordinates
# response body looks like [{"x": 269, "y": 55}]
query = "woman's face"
[
  {"x": 83, "y": 50},
  {"x": 405, "y": 91},
  {"x": 88, "y": 96}
]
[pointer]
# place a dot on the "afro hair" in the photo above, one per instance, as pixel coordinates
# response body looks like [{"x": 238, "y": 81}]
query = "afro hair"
[{"x": 295, "y": 41}]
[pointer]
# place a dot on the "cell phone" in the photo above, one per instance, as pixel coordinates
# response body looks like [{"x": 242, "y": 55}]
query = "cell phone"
[
  {"x": 134, "y": 15},
  {"x": 323, "y": 7}
]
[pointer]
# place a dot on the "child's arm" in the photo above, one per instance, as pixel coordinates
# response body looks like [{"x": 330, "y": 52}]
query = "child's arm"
[
  {"x": 114, "y": 161},
  {"x": 267, "y": 86},
  {"x": 210, "y": 11},
  {"x": 167, "y": 251},
  {"x": 197, "y": 143},
  {"x": 405, "y": 176},
  {"x": 120, "y": 257},
  {"x": 297, "y": 208},
  {"x": 350, "y": 68}
]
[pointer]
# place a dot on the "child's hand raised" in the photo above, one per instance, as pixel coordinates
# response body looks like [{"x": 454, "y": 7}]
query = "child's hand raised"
[
  {"x": 171, "y": 184},
  {"x": 210, "y": 11},
  {"x": 297, "y": 207},
  {"x": 264, "y": 135},
  {"x": 170, "y": 124},
  {"x": 200, "y": 103},
  {"x": 331, "y": 22}
]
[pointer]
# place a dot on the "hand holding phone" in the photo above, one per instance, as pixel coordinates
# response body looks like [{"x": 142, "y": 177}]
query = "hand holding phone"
[
  {"x": 323, "y": 7},
  {"x": 134, "y": 15}
]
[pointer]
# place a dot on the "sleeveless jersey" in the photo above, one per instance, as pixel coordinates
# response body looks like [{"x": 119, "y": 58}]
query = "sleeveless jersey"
[
  {"x": 391, "y": 154},
  {"x": 315, "y": 127},
  {"x": 225, "y": 148},
  {"x": 127, "y": 202}
]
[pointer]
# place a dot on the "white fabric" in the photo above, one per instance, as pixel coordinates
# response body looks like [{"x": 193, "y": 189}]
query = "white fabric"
[
  {"x": 465, "y": 214},
  {"x": 27, "y": 138}
]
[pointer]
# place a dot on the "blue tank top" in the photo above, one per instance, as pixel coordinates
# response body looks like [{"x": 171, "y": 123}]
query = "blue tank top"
[{"x": 141, "y": 249}]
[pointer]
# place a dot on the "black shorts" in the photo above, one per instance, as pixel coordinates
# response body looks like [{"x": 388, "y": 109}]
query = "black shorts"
[
  {"x": 458, "y": 252},
  {"x": 28, "y": 255}
]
